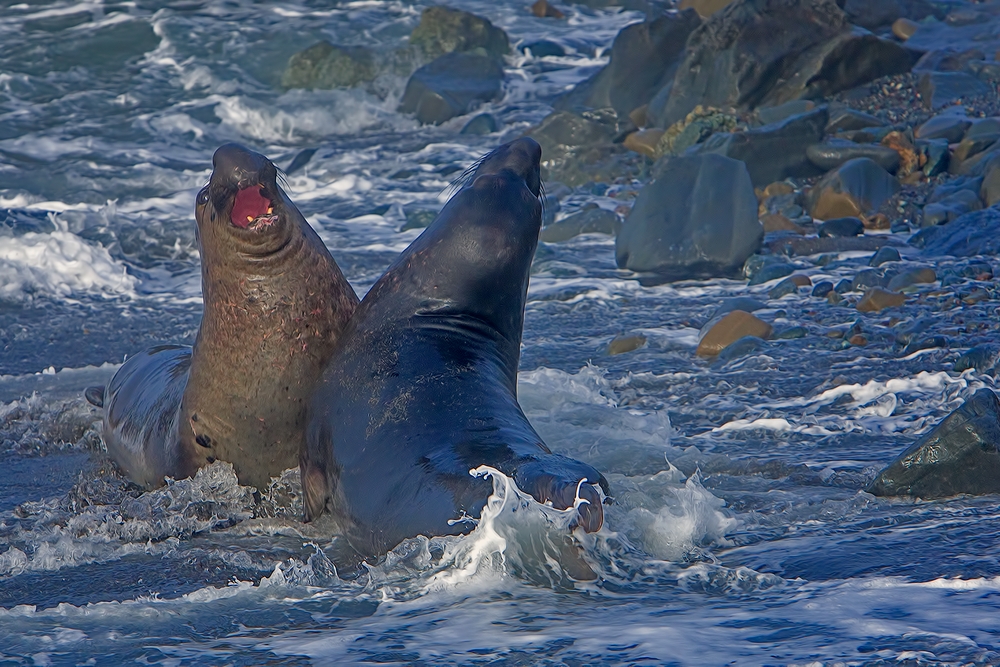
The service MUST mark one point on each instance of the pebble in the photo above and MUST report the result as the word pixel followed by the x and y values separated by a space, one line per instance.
pixel 769 272
pixel 912 277
pixel 822 288
pixel 841 227
pixel 776 222
pixel 729 329
pixel 925 344
pixel 542 9
pixel 791 333
pixel 741 348
pixel 904 28
pixel 786 286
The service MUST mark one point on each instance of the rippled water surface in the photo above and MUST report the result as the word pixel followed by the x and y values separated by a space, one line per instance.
pixel 740 533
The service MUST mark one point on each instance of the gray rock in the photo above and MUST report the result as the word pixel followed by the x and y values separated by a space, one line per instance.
pixel 866 279
pixel 949 125
pixel 450 86
pixel 769 115
pixel 591 221
pixel 940 89
pixel 834 152
pixel 696 218
pixel 773 152
pixel 822 288
pixel 644 58
pixel 771 271
pixel 326 66
pixel 783 288
pixel 873 14
pixel 810 50
pixel 741 348
pixel 842 227
pixel 445 30
pixel 858 186
pixel 884 254
pixel 950 208
pixel 938 156
pixel 945 190
pixel 983 127
pixel 981 357
pixel 484 123
pixel 975 233
pixel 542 48
pixel 958 456
pixel 572 145
pixel 846 119
pixel 931 343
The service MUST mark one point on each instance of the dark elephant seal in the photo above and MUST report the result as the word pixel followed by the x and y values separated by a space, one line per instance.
pixel 275 305
pixel 422 386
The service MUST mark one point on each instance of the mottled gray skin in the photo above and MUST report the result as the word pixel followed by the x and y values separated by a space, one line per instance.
pixel 960 455
pixel 422 386
pixel 275 306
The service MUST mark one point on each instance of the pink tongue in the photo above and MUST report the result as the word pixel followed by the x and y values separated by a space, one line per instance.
pixel 249 204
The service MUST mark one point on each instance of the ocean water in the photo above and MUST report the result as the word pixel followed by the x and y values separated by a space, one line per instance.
pixel 740 533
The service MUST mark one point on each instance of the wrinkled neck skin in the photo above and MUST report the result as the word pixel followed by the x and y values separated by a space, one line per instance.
pixel 468 271
pixel 275 304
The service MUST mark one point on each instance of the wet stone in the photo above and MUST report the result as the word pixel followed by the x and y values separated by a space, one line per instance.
pixel 884 254
pixel 975 233
pixel 623 344
pixel 949 126
pixel 771 271
pixel 846 119
pixel 904 28
pixel 834 152
pixel 543 48
pixel 590 221
pixel 791 333
pixel 327 66
pixel 931 343
pixel 786 286
pixel 542 9
pixel 937 156
pixel 844 286
pixel 729 329
pixel 877 299
pixel 857 187
pixel 696 218
pixel 801 280
pixel 867 278
pixel 776 222
pixel 741 348
pixel 445 30
pixel 822 288
pixel 912 277
pixel 981 357
pixel 450 86
pixel 950 208
pixel 939 89
pixel 644 141
pixel 958 456
pixel 841 227
pixel 484 123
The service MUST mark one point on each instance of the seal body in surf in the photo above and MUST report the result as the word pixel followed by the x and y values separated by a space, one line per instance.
pixel 422 387
pixel 275 305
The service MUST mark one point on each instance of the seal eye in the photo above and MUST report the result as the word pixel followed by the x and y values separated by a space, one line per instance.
pixel 203 196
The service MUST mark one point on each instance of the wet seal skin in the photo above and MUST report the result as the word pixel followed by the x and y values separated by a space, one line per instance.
pixel 422 387
pixel 275 305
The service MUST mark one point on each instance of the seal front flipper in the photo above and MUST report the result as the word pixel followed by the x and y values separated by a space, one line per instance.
pixel 560 480
pixel 95 396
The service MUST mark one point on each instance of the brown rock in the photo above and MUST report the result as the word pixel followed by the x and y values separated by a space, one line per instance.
pixel 800 280
pixel 705 8
pixel 729 329
pixel 910 159
pixel 833 298
pixel 623 344
pixel 778 188
pixel 644 141
pixel 775 222
pixel 639 116
pixel 877 221
pixel 876 299
pixel 542 9
pixel 905 28
pixel 858 340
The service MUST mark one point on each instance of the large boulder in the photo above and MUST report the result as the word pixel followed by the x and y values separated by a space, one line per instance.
pixel 644 58
pixel 451 86
pixel 577 149
pixel 959 456
pixel 325 65
pixel 696 218
pixel 445 30
pixel 773 152
pixel 765 52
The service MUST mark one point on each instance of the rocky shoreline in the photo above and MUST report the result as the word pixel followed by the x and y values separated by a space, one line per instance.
pixel 749 139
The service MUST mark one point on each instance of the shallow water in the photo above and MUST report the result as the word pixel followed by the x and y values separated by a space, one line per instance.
pixel 740 533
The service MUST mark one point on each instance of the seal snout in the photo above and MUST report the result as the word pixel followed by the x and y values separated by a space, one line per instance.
pixel 249 181
pixel 522 157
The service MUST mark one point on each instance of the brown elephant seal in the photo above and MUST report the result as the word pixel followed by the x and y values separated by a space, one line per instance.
pixel 275 306
pixel 422 387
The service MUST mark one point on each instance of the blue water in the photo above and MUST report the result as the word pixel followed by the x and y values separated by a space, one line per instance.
pixel 740 533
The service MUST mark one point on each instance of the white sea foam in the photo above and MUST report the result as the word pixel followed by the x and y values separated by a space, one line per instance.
pixel 59 264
